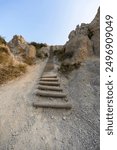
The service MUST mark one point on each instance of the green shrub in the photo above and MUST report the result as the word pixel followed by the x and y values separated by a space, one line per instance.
pixel 38 45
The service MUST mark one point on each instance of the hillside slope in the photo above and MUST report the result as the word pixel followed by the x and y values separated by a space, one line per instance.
pixel 24 127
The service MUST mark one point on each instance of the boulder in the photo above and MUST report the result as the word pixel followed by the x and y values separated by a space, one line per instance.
pixel 31 51
pixel 17 45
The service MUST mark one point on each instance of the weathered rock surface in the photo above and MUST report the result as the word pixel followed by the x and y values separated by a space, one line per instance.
pixel 10 67
pixel 31 51
pixel 21 48
pixel 94 29
pixel 43 52
pixel 17 45
pixel 79 48
pixel 83 42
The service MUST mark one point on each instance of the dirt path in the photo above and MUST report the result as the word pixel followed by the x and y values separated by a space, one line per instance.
pixel 22 127
pixel 16 112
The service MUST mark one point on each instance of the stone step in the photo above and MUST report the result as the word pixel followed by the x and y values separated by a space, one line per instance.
pixel 49 76
pixel 53 105
pixel 51 88
pixel 49 83
pixel 51 94
pixel 49 79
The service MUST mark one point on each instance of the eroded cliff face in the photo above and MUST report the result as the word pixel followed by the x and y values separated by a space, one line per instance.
pixel 94 29
pixel 83 42
pixel 20 48
pixel 10 67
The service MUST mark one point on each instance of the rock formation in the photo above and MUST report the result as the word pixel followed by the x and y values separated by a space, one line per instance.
pixel 18 45
pixel 31 52
pixel 83 42
pixel 94 31
pixel 10 67
pixel 22 49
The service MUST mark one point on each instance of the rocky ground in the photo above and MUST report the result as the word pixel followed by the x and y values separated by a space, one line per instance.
pixel 22 127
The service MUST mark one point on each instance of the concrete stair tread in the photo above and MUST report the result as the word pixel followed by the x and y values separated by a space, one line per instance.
pixel 51 88
pixel 49 83
pixel 49 76
pixel 51 94
pixel 53 105
pixel 49 79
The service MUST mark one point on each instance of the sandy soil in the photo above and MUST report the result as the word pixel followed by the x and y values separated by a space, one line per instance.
pixel 22 127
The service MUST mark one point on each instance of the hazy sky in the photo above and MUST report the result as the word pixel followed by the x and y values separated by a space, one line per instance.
pixel 48 21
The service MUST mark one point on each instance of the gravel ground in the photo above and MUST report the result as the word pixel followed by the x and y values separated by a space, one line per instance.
pixel 22 127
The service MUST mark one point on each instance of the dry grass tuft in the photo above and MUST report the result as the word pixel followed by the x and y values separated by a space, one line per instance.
pixel 30 61
pixel 10 72
pixel 4 58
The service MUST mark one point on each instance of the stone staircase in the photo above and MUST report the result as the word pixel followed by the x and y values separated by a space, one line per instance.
pixel 50 91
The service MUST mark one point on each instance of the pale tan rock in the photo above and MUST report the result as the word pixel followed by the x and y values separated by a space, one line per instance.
pixel 72 34
pixel 83 42
pixel 31 51
pixel 78 49
pixel 22 50
pixel 94 28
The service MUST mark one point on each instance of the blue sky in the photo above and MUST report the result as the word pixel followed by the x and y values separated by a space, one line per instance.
pixel 47 21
